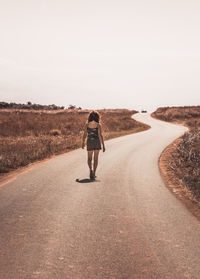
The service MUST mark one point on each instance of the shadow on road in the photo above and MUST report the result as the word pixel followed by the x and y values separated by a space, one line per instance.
pixel 86 180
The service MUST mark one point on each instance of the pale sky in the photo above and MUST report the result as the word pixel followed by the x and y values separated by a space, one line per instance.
pixel 136 54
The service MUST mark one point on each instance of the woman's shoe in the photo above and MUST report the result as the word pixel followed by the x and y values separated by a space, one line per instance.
pixel 91 174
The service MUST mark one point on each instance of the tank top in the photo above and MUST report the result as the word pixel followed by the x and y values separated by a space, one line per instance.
pixel 92 133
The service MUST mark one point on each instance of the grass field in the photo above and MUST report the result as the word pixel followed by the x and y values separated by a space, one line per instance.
pixel 27 136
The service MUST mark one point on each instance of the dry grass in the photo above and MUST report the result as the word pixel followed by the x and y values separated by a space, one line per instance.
pixel 184 161
pixel 28 136
pixel 188 115
pixel 22 123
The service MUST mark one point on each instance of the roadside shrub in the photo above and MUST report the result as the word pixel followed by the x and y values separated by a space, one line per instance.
pixel 186 161
pixel 55 132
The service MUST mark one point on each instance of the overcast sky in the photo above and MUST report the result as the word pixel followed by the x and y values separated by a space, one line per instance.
pixel 137 54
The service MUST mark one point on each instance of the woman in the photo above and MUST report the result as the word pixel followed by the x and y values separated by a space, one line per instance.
pixel 93 131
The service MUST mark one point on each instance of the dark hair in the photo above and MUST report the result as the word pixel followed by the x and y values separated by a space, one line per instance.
pixel 94 115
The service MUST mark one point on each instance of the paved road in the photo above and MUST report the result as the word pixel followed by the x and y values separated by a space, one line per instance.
pixel 126 225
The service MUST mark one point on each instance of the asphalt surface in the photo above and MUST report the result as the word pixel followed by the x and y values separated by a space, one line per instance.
pixel 56 223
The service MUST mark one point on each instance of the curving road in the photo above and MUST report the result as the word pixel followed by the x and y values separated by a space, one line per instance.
pixel 55 224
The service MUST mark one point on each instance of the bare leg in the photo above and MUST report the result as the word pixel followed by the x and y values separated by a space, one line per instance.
pixel 96 155
pixel 90 159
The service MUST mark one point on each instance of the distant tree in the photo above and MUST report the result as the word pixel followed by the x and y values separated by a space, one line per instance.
pixel 29 103
pixel 71 107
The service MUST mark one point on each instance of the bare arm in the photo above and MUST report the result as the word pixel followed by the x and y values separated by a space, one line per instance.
pixel 101 137
pixel 84 136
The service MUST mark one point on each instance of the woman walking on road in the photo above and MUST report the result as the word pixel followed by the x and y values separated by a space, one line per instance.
pixel 93 131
